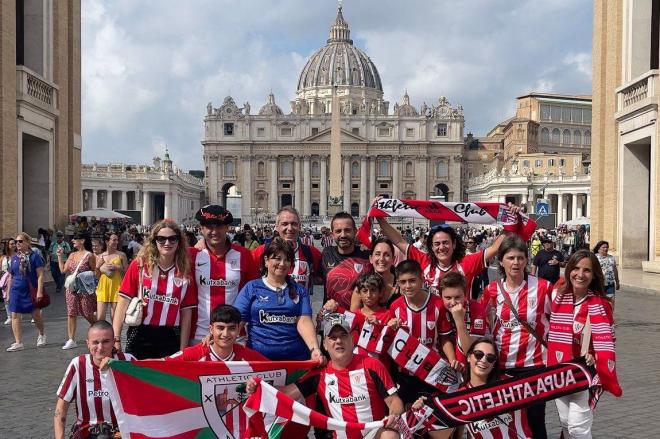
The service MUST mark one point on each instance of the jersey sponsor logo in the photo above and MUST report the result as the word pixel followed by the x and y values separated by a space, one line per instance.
pixel 204 281
pixel 266 318
pixel 478 324
pixel 220 397
pixel 489 424
pixel 89 380
pixel 299 277
pixel 162 298
pixel 511 324
pixel 351 399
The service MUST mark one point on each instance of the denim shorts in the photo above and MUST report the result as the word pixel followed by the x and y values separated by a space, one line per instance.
pixel 609 291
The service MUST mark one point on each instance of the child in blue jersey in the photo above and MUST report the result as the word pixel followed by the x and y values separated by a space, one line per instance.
pixel 277 310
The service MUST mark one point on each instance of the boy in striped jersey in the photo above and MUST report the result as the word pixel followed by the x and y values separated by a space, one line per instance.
pixel 84 382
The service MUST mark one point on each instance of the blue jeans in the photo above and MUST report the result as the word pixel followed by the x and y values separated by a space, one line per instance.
pixel 609 290
pixel 58 277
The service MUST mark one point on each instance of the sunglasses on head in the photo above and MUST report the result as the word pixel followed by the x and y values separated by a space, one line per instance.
pixel 172 239
pixel 440 228
pixel 491 358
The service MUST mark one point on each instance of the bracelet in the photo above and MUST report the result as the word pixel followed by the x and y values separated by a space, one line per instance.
pixel 117 339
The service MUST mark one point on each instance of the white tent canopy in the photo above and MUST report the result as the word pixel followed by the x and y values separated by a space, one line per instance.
pixel 582 220
pixel 100 214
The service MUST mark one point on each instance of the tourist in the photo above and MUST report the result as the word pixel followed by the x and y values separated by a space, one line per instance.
pixel 58 278
pixel 277 310
pixel 78 303
pixel 8 251
pixel 249 241
pixel 135 245
pixel 580 300
pixel 547 262
pixel 610 271
pixel 94 411
pixel 26 274
pixel 162 270
pixel 110 268
pixel 520 304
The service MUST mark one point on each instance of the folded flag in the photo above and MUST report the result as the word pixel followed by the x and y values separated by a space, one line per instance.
pixel 178 399
pixel 268 400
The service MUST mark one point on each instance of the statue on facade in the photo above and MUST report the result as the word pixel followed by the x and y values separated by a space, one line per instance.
pixel 423 110
pixel 514 168
pixel 396 109
pixel 374 108
pixel 363 107
pixel 304 108
pixel 246 108
pixel 575 167
pixel 209 109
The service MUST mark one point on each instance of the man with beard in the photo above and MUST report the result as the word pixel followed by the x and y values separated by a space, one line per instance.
pixel 342 264
pixel 220 267
pixel 307 261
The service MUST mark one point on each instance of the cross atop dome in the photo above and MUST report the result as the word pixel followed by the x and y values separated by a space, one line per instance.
pixel 339 31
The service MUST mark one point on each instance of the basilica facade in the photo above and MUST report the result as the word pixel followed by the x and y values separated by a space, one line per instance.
pixel 275 159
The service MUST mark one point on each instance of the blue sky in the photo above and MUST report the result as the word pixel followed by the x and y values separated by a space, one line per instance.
pixel 149 67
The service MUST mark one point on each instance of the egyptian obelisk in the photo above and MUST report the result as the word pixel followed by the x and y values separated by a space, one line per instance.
pixel 335 198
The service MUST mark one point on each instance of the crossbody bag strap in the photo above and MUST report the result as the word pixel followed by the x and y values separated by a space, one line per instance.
pixel 523 322
pixel 82 259
pixel 586 338
pixel 140 295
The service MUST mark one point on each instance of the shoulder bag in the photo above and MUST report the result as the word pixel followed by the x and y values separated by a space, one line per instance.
pixel 70 281
pixel 522 321
pixel 135 308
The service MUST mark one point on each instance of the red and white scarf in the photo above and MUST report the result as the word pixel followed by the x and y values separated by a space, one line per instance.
pixel 474 213
pixel 560 336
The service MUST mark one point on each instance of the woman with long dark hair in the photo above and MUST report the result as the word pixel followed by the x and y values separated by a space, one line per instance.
pixel 382 259
pixel 581 326
pixel 520 307
pixel 162 269
pixel 277 310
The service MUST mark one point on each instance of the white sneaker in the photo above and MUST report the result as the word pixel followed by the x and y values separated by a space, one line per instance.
pixel 8 321
pixel 41 340
pixel 70 344
pixel 32 321
pixel 15 347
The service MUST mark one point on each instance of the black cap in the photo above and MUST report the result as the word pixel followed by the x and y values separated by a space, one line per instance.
pixel 213 214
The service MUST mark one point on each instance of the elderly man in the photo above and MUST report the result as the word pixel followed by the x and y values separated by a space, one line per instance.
pixel 220 267
pixel 307 258
pixel 353 388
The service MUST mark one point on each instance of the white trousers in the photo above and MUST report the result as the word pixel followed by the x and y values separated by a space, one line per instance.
pixel 575 415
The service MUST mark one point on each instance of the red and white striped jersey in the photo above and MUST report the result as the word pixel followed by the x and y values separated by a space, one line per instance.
pixel 422 323
pixel 470 267
pixel 354 394
pixel 512 425
pixel 300 270
pixel 327 241
pixel 199 352
pixel 164 298
pixel 532 300
pixel 476 323
pixel 84 382
pixel 307 240
pixel 218 281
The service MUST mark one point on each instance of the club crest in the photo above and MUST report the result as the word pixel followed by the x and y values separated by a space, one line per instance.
pixel 610 365
pixel 178 282
pixel 578 327
pixel 532 302
pixel 559 355
pixel 430 325
pixel 233 263
pixel 221 398
pixel 358 267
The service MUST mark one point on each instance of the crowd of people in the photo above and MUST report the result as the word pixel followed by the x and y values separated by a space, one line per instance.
pixel 216 294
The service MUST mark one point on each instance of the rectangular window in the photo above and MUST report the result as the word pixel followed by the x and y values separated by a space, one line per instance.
pixel 586 116
pixel 383 132
pixel 545 112
pixel 410 132
pixel 261 132
pixel 286 131
pixel 526 163
pixel 576 115
pixel 566 114
pixel 355 131
pixel 556 114
pixel 354 186
pixel 315 130
pixel 551 162
pixel 442 130
pixel 562 162
pixel 315 185
pixel 229 129
pixel 384 186
pixel 538 163
pixel 286 185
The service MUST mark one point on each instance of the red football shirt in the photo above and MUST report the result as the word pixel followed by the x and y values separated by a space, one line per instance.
pixel 199 352
pixel 475 322
pixel 470 267
pixel 422 323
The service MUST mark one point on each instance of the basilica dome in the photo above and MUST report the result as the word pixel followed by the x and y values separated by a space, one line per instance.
pixel 339 62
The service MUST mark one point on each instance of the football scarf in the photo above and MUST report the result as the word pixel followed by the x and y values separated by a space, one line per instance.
pixel 560 336
pixel 474 213
pixel 501 397
pixel 163 399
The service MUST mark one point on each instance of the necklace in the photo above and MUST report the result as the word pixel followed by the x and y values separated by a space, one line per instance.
pixel 164 272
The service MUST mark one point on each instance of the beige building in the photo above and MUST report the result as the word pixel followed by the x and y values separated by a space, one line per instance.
pixel 626 153
pixel 275 159
pixel 152 192
pixel 542 152
pixel 40 139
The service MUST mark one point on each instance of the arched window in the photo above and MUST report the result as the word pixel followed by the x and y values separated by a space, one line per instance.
pixel 577 137
pixel 355 209
pixel 441 169
pixel 261 169
pixel 355 169
pixel 315 209
pixel 384 168
pixel 409 169
pixel 587 138
pixel 566 137
pixel 545 135
pixel 316 169
pixel 555 135
pixel 287 168
pixel 229 168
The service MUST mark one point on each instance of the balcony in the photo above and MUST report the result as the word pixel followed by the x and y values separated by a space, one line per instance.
pixel 33 89
pixel 639 96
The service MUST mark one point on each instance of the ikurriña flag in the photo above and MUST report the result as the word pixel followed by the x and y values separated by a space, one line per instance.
pixel 179 399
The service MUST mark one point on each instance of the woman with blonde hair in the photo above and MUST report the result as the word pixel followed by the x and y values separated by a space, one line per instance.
pixel 26 273
pixel 162 270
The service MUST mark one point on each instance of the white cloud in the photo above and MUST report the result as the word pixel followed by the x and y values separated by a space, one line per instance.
pixel 150 67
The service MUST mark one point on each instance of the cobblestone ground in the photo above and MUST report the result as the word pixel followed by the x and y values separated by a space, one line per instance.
pixel 30 378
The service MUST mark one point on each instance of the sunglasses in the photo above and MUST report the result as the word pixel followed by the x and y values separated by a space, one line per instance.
pixel 172 239
pixel 19 241
pixel 491 358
